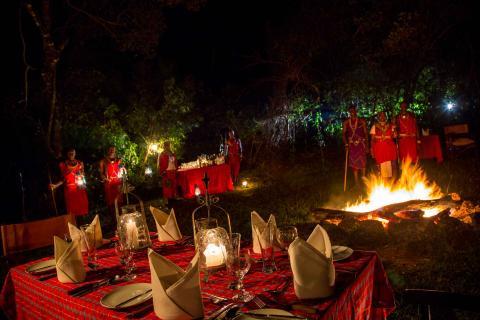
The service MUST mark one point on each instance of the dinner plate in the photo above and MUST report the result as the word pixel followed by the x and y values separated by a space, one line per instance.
pixel 341 252
pixel 271 312
pixel 115 297
pixel 41 267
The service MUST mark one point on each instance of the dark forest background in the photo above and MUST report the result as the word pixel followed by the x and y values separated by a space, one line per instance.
pixel 90 74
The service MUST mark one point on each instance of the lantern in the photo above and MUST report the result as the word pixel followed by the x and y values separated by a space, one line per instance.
pixel 212 241
pixel 132 225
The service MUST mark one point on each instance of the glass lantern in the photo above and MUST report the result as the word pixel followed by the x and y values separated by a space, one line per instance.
pixel 132 225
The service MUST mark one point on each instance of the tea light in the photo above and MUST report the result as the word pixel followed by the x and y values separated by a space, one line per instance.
pixel 197 191
pixel 215 255
pixel 244 183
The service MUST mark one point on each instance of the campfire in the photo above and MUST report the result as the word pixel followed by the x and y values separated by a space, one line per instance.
pixel 412 185
pixel 411 197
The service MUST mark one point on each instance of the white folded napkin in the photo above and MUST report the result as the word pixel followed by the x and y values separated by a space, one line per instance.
pixel 312 265
pixel 76 234
pixel 176 293
pixel 167 226
pixel 260 232
pixel 68 261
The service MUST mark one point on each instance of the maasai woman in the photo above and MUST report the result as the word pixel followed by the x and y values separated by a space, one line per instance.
pixel 234 155
pixel 384 149
pixel 112 172
pixel 167 169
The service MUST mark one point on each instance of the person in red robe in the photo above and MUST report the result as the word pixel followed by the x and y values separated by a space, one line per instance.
pixel 408 137
pixel 111 172
pixel 74 185
pixel 355 139
pixel 167 169
pixel 234 153
pixel 384 149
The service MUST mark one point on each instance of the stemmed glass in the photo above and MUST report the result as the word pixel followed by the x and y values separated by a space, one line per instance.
pixel 286 235
pixel 125 253
pixel 88 237
pixel 240 263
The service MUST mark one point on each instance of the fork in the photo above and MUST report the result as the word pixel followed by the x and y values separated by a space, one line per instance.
pixel 258 302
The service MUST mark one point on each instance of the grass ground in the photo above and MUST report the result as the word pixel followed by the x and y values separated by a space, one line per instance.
pixel 443 256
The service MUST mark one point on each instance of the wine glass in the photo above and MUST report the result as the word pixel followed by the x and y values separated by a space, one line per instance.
pixel 240 263
pixel 88 238
pixel 129 262
pixel 286 235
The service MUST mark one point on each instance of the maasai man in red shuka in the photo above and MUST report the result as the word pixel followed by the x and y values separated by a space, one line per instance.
pixel 74 186
pixel 111 172
pixel 167 169
pixel 384 149
pixel 355 138
pixel 234 155
pixel 407 134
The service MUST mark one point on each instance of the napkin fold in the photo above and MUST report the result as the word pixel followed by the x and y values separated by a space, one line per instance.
pixel 260 232
pixel 176 293
pixel 68 261
pixel 167 226
pixel 76 233
pixel 312 265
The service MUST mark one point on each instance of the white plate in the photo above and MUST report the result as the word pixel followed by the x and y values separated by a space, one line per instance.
pixel 341 252
pixel 41 267
pixel 264 311
pixel 120 294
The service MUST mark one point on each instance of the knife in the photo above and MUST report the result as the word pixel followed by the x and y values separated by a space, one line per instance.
pixel 216 314
pixel 271 316
pixel 132 298
pixel 83 290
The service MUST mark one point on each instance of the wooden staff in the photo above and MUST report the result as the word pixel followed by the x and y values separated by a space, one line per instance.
pixel 53 193
pixel 346 170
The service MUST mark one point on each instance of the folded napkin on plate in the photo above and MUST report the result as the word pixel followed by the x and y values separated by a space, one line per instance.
pixel 176 293
pixel 94 228
pixel 312 265
pixel 260 232
pixel 167 226
pixel 68 261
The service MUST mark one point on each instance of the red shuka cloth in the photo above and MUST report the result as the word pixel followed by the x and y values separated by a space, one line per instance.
pixel 113 184
pixel 169 177
pixel 357 145
pixel 234 149
pixel 407 142
pixel 76 199
pixel 384 148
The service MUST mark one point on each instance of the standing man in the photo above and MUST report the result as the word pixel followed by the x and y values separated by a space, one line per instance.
pixel 355 139
pixel 111 172
pixel 74 187
pixel 234 154
pixel 408 137
pixel 167 169
pixel 384 149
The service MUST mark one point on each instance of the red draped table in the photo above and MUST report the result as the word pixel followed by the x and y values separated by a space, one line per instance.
pixel 220 180
pixel 362 289
pixel 430 148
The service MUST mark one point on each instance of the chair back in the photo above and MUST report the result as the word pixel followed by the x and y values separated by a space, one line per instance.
pixel 456 129
pixel 34 234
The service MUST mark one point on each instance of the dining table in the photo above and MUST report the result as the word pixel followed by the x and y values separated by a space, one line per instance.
pixel 362 289
pixel 430 148
pixel 219 175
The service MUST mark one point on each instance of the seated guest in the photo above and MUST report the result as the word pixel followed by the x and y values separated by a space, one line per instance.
pixel 384 149
pixel 167 169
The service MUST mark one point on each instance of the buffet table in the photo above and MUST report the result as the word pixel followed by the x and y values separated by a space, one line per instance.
pixel 220 180
pixel 430 148
pixel 362 289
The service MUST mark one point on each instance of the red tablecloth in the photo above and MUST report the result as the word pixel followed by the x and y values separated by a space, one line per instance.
pixel 362 289
pixel 220 180
pixel 430 148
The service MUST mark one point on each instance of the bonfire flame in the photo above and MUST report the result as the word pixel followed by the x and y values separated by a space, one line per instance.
pixel 412 185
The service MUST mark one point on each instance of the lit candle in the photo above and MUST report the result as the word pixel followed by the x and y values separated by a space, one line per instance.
pixel 132 234
pixel 244 183
pixel 215 255
pixel 197 191
pixel 148 171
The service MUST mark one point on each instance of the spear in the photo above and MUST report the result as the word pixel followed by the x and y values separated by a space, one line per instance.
pixel 53 193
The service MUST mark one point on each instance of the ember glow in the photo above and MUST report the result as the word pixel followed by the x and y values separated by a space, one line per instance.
pixel 412 185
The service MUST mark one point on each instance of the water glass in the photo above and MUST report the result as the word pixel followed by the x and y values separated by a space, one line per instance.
pixel 286 235
pixel 239 265
pixel 266 242
pixel 88 238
